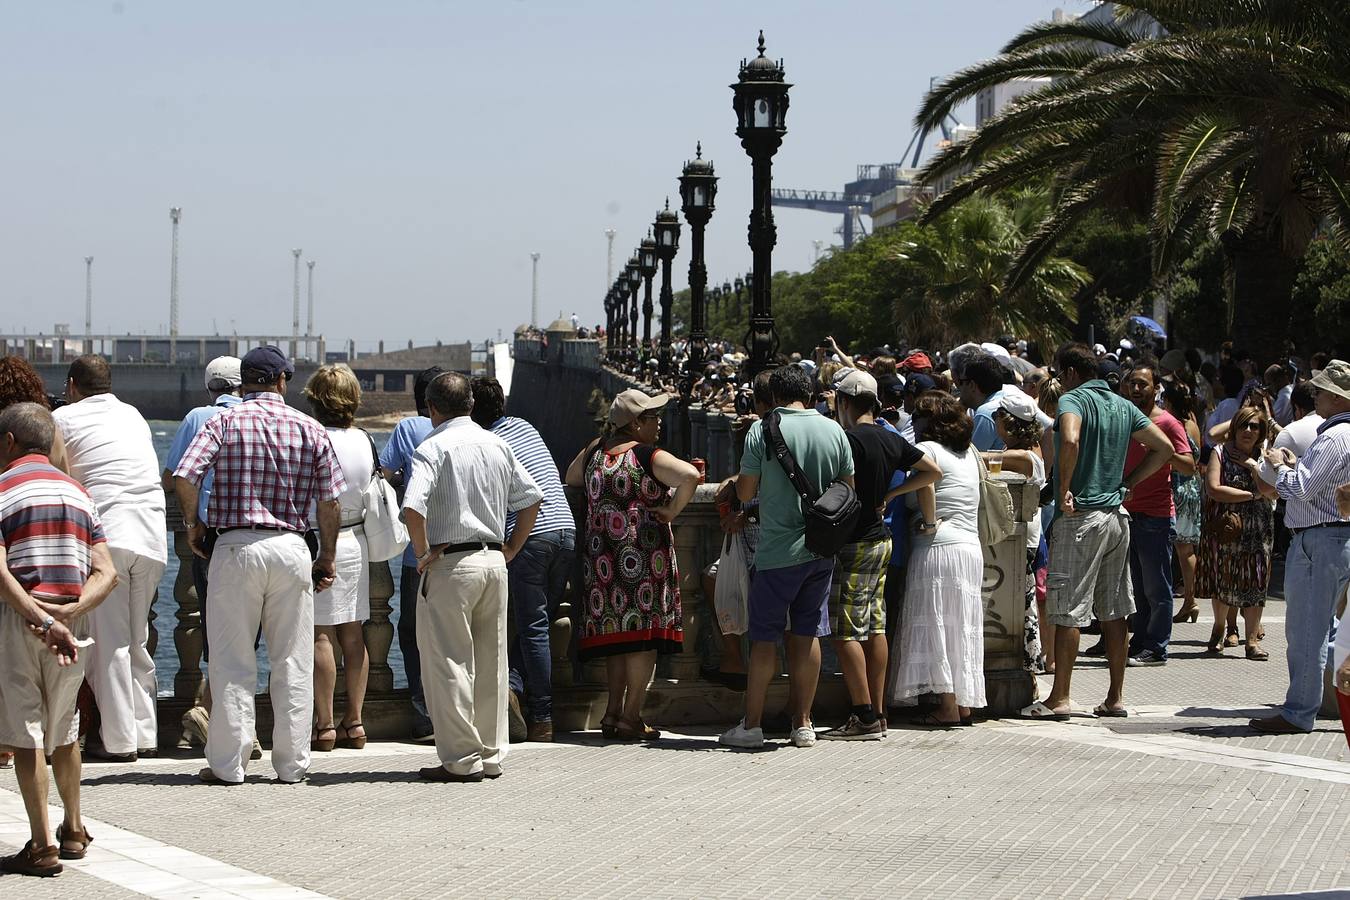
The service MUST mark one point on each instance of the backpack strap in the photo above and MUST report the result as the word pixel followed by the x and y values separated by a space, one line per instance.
pixel 773 428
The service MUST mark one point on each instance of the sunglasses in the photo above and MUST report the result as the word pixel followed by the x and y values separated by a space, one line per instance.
pixel 1251 426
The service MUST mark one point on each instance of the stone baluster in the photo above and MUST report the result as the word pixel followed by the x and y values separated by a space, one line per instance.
pixel 694 529
pixel 698 433
pixel 719 446
pixel 379 631
pixel 187 631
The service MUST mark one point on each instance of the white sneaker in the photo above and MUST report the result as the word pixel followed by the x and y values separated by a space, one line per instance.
pixel 742 737
pixel 805 736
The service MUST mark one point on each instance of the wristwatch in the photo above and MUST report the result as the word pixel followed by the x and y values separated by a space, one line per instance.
pixel 47 624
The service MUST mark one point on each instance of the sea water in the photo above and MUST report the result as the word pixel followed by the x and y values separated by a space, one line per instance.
pixel 166 607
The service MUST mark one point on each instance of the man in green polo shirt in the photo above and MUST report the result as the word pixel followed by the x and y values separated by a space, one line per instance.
pixel 1090 537
pixel 790 589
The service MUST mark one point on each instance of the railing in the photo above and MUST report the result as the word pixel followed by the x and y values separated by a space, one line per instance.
pixel 581 353
pixel 530 349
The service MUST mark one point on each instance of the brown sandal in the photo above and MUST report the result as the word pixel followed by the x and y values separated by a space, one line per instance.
pixel 354 741
pixel 627 730
pixel 321 744
pixel 82 843
pixel 42 862
pixel 1231 638
pixel 1256 652
pixel 607 725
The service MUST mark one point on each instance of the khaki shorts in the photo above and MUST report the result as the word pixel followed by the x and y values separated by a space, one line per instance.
pixel 37 697
pixel 1089 572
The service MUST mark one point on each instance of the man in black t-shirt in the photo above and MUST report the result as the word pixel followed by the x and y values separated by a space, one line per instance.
pixel 857 596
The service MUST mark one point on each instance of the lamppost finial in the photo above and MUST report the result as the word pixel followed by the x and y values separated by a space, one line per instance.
pixel 761 43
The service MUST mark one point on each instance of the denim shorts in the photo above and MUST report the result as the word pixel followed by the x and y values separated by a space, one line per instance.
pixel 795 598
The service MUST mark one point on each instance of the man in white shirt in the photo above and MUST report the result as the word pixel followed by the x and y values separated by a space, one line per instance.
pixel 1299 434
pixel 110 452
pixel 463 482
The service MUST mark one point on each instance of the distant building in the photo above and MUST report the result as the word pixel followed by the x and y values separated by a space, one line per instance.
pixel 387 378
pixel 991 101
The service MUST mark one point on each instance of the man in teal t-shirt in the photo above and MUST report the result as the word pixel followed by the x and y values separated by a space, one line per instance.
pixel 790 588
pixel 1088 573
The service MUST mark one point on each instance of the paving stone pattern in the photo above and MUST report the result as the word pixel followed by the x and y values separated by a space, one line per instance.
pixel 992 811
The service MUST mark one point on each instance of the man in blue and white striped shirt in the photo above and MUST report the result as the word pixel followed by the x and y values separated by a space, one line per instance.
pixel 1317 565
pixel 538 574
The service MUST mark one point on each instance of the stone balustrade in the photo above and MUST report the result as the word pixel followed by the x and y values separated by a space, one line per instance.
pixel 677 695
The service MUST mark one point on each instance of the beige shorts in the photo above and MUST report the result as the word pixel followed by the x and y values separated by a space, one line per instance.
pixel 37 696
pixel 1089 572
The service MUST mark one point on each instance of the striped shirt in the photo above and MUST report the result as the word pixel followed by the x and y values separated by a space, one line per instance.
pixel 271 462
pixel 463 482
pixel 1309 487
pixel 529 448
pixel 48 523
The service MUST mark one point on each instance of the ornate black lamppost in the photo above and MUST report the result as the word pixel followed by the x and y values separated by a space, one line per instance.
pixel 611 307
pixel 667 244
pixel 760 99
pixel 698 190
pixel 740 288
pixel 647 260
pixel 633 272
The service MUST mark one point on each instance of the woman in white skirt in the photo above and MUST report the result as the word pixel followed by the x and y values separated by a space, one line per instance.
pixel 942 632
pixel 341 611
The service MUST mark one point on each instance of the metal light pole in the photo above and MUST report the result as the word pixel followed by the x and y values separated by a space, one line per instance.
pixel 760 99
pixel 698 190
pixel 609 255
pixel 309 317
pixel 534 290
pixel 667 245
pixel 88 304
pixel 175 214
pixel 295 304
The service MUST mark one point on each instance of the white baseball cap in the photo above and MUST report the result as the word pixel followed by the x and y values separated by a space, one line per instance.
pixel 855 382
pixel 222 374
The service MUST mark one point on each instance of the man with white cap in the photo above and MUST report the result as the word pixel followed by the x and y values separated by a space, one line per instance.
pixel 110 452
pixel 271 463
pixel 222 383
pixel 858 590
pixel 1317 564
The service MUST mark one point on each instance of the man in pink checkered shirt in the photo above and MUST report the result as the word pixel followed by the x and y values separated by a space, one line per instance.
pixel 271 463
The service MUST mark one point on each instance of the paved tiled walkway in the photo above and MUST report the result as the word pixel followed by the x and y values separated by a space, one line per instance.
pixel 1178 801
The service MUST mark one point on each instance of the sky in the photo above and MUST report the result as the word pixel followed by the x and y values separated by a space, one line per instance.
pixel 420 151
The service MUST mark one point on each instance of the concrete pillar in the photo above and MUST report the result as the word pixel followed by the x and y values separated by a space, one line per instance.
pixel 201 352
pixel 1008 685
pixel 379 631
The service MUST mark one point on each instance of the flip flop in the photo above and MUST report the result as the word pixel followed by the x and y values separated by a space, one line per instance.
pixel 1040 712
pixel 1102 711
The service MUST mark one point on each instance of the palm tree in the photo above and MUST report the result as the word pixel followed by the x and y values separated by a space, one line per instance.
pixel 957 267
pixel 1233 122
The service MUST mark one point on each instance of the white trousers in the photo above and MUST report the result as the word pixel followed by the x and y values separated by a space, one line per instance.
pixel 461 636
pixel 119 667
pixel 260 578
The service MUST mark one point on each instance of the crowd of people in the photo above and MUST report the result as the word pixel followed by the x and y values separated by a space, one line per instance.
pixel 866 495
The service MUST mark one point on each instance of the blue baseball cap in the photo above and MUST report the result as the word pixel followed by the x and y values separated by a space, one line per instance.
pixel 264 365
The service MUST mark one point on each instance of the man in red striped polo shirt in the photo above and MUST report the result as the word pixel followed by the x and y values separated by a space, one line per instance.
pixel 54 568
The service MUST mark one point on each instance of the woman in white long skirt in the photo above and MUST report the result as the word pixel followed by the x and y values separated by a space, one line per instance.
pixel 340 612
pixel 942 630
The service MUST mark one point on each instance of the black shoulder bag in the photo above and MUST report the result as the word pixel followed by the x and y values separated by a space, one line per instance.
pixel 830 515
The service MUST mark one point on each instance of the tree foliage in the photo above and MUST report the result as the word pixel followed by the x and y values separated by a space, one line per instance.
pixel 1231 120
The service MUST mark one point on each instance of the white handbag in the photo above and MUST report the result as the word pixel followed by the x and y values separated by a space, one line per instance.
pixel 386 535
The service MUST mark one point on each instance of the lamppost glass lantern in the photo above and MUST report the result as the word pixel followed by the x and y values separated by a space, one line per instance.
pixel 667 231
pixel 647 254
pixel 634 272
pixel 760 98
pixel 698 184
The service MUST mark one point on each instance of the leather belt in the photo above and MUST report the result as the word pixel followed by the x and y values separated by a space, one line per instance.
pixel 254 528
pixel 1319 525
pixel 471 547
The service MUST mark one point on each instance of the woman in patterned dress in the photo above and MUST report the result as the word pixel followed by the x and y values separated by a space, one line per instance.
pixel 1179 400
pixel 632 595
pixel 1237 574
